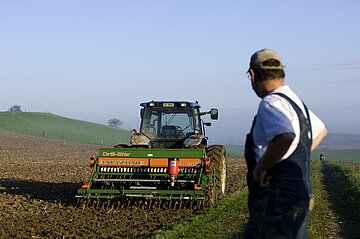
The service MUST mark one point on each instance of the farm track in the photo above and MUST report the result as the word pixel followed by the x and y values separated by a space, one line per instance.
pixel 39 178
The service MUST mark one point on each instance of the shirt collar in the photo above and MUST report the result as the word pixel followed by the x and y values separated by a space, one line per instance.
pixel 281 89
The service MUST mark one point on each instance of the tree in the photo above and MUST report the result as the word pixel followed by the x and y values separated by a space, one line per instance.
pixel 15 108
pixel 116 123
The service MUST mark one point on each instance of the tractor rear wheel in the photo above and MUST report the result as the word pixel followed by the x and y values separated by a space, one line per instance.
pixel 217 155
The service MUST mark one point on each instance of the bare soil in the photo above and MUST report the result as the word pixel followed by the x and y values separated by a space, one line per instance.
pixel 355 165
pixel 39 178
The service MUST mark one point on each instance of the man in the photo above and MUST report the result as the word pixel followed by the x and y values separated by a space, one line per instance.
pixel 277 153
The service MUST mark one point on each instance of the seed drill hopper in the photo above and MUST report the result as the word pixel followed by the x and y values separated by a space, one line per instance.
pixel 167 163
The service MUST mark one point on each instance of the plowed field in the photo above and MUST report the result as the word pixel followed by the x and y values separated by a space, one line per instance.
pixel 39 178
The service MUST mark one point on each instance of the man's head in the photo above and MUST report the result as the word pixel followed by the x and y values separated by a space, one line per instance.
pixel 266 71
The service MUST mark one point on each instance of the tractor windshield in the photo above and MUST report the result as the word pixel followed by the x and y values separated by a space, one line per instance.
pixel 168 123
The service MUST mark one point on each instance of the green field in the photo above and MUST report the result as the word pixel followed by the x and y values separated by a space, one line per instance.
pixel 338 155
pixel 57 127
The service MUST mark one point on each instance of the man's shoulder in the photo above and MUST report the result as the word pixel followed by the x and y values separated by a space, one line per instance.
pixel 276 104
pixel 273 99
pixel 277 100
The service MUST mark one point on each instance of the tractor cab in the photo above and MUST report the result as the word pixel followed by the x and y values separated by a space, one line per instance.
pixel 171 125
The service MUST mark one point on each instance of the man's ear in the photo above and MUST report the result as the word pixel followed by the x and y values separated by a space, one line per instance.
pixel 251 71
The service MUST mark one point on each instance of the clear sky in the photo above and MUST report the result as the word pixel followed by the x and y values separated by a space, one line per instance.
pixel 96 60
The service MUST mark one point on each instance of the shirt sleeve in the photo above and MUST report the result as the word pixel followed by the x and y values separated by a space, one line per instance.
pixel 316 124
pixel 273 121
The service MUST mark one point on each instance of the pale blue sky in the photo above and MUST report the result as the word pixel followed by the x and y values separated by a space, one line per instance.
pixel 95 60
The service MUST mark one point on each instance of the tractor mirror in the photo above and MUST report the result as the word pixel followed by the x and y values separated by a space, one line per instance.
pixel 214 114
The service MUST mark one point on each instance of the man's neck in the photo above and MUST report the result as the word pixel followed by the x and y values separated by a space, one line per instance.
pixel 271 85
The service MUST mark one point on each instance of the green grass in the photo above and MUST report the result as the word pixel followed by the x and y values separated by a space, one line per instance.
pixel 53 126
pixel 342 183
pixel 227 219
pixel 321 221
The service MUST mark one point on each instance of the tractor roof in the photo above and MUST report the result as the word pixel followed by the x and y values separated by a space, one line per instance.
pixel 170 104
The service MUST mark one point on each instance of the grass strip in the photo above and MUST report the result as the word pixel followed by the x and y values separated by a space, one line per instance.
pixel 226 219
pixel 321 222
pixel 343 185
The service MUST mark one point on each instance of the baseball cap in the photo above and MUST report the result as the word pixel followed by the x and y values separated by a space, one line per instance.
pixel 259 57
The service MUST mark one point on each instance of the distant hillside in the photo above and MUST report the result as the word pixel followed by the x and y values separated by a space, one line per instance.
pixel 235 150
pixel 337 147
pixel 340 141
pixel 54 126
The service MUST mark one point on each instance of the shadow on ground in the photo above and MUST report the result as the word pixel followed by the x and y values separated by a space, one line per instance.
pixel 54 192
pixel 344 200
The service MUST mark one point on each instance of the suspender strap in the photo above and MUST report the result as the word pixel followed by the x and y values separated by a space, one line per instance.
pixel 297 108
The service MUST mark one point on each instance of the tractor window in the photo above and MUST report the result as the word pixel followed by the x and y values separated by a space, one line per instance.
pixel 171 123
pixel 150 122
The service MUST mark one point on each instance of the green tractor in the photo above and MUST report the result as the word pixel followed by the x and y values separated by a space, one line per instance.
pixel 167 163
